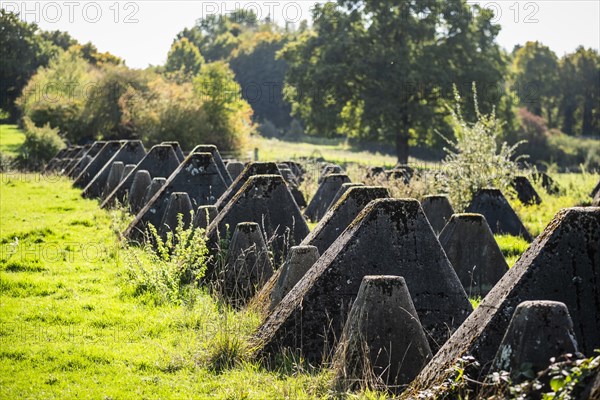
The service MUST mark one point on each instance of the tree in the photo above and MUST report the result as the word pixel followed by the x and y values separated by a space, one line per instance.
pixel 536 73
pixel 184 60
pixel 227 114
pixel 379 68
pixel 261 77
pixel 588 72
pixel 23 51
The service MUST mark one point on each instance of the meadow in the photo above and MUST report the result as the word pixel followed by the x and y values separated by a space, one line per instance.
pixel 73 324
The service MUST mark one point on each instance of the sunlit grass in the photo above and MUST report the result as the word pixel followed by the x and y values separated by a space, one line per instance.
pixel 11 138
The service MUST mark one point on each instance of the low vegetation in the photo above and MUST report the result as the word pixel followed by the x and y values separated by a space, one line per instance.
pixel 115 328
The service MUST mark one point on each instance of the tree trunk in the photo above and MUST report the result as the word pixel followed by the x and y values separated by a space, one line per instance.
pixel 402 147
pixel 402 137
pixel 568 120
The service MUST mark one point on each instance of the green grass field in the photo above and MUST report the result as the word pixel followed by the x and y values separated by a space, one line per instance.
pixel 332 150
pixel 72 325
pixel 11 138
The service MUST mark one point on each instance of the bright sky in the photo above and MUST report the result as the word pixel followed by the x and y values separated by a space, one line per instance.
pixel 141 32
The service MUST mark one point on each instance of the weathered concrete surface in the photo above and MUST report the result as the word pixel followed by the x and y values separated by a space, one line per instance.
pixel 401 172
pixel 247 266
pixel 343 189
pixel 266 200
pixel 131 153
pixel 198 176
pixel 204 216
pixel 141 181
pixel 596 200
pixel 383 345
pixel 525 191
pixel 86 158
pixel 98 162
pixel 179 203
pixel 326 191
pixel 342 214
pixel 299 261
pixel 292 182
pixel 155 186
pixel 563 264
pixel 538 331
pixel 498 213
pixel 473 252
pixel 161 160
pixel 389 237
pixel 114 176
pixel 253 168
pixel 212 149
pixel 235 168
pixel 329 169
pixel 177 149
pixel 438 211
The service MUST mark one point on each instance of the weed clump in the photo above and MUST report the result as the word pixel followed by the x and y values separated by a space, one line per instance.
pixel 169 270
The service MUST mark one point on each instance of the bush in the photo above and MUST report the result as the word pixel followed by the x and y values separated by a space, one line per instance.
pixel 475 160
pixel 41 144
pixel 169 271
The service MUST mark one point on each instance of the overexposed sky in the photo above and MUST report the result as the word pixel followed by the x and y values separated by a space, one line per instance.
pixel 141 32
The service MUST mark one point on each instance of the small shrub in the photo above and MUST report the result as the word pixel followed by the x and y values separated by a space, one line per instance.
pixel 169 272
pixel 474 159
pixel 41 144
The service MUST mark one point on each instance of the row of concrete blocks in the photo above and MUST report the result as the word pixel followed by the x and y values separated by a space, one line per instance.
pixel 383 239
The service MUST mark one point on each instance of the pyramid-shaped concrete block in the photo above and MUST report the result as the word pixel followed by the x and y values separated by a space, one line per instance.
pixel 131 152
pixel 155 186
pixel 252 169
pixel 114 176
pixel 389 237
pixel 204 216
pixel 438 211
pixel 198 176
pixel 212 149
pixel 342 214
pixel 105 154
pixel 296 168
pixel 473 252
pixel 498 213
pixel 537 332
pixel 161 160
pixel 546 182
pixel 266 200
pixel 86 158
pixel 383 345
pixel 75 159
pixel 563 264
pixel 247 266
pixel 326 191
pixel 234 168
pixel 178 206
pixel 299 261
pixel 345 187
pixel 526 193
pixel 596 200
pixel 328 170
pixel 177 149
pixel 140 184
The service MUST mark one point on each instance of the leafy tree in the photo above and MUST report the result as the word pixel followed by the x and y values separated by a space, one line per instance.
pixel 378 69
pixel 184 60
pixel 23 51
pixel 261 77
pixel 91 54
pixel 588 74
pixel 56 95
pixel 227 114
pixel 536 73
pixel 59 38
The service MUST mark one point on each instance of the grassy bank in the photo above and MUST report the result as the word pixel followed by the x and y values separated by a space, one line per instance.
pixel 11 139
pixel 72 328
